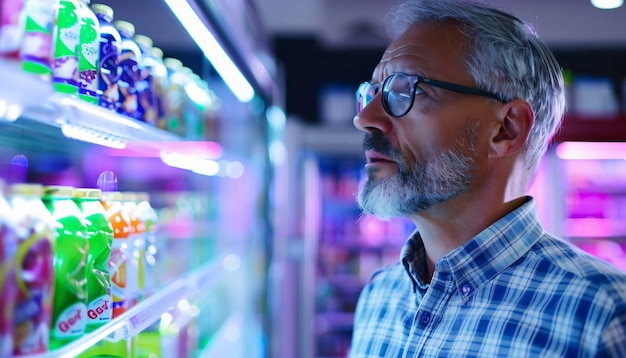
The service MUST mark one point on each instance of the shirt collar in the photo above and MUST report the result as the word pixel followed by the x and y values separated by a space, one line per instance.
pixel 483 257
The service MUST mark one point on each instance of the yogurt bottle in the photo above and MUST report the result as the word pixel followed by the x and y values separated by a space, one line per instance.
pixel 88 54
pixel 109 53
pixel 66 42
pixel 130 62
pixel 37 44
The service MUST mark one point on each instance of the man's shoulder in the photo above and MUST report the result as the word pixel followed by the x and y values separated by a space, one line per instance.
pixel 559 258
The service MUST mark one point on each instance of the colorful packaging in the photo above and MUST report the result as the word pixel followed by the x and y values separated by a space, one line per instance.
pixel 12 27
pixel 147 104
pixel 136 242
pixel 71 246
pixel 109 52
pixel 100 233
pixel 66 42
pixel 89 52
pixel 159 83
pixel 130 62
pixel 120 251
pixel 37 43
pixel 34 227
pixel 175 96
pixel 8 284
pixel 148 281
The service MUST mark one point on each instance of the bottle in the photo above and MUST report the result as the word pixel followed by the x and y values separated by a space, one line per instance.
pixel 34 228
pixel 159 83
pixel 65 47
pixel 175 96
pixel 120 250
pixel 100 233
pixel 150 257
pixel 37 44
pixel 109 52
pixel 147 109
pixel 130 61
pixel 8 284
pixel 136 243
pixel 89 52
pixel 12 18
pixel 71 247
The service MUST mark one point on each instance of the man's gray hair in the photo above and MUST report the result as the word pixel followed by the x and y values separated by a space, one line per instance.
pixel 504 56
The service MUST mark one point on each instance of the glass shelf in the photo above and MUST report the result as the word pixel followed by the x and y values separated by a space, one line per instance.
pixel 146 312
pixel 33 97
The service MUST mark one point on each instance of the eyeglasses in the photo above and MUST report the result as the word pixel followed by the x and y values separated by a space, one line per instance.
pixel 400 89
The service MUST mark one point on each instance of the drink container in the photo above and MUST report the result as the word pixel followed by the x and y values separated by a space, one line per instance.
pixel 36 48
pixel 88 54
pixel 150 257
pixel 12 26
pixel 109 53
pixel 66 42
pixel 71 245
pixel 159 83
pixel 100 233
pixel 136 242
pixel 8 284
pixel 147 103
pixel 119 267
pixel 34 270
pixel 130 62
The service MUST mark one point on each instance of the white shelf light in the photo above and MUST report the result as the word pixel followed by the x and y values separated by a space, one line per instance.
pixel 212 50
pixel 607 4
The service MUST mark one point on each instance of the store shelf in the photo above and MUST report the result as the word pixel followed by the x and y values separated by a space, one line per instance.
pixel 223 342
pixel 146 312
pixel 33 97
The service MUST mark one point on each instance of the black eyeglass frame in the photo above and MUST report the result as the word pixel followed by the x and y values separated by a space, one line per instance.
pixel 417 79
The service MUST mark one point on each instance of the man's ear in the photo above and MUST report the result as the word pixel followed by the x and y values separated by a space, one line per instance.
pixel 512 129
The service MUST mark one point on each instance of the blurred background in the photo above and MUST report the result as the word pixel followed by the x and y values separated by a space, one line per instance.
pixel 246 151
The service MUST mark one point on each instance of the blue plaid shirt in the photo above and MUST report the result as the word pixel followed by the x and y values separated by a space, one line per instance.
pixel 511 291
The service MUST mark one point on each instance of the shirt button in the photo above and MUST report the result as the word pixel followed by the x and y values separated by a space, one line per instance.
pixel 425 319
pixel 466 289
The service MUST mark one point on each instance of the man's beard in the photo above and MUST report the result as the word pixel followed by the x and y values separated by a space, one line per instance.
pixel 417 187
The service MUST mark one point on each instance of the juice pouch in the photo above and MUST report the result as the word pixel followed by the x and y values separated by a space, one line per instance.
pixel 34 271
pixel 71 245
pixel 100 232
pixel 120 250
pixel 8 284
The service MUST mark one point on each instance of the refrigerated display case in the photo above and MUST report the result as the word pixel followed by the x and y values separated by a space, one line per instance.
pixel 332 247
pixel 210 196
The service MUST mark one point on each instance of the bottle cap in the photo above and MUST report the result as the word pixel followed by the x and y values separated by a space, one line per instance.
pixel 172 63
pixel 91 193
pixel 102 9
pixel 144 42
pixel 58 191
pixel 26 189
pixel 125 27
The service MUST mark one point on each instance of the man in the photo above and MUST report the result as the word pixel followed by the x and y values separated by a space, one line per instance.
pixel 457 116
